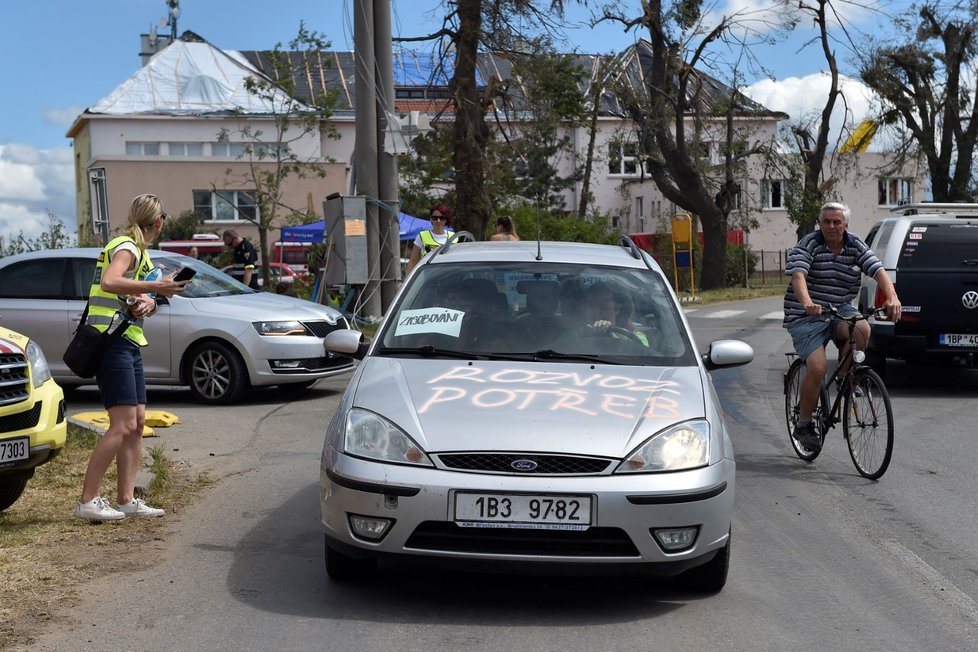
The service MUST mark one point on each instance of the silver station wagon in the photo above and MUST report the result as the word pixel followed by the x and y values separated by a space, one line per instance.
pixel 218 337
pixel 538 408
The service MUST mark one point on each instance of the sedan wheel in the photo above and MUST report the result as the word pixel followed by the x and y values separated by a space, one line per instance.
pixel 343 568
pixel 711 577
pixel 216 374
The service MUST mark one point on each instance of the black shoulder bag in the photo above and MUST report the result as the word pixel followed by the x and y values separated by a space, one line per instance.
pixel 84 353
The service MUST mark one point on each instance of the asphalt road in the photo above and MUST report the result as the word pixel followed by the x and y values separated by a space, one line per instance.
pixel 822 558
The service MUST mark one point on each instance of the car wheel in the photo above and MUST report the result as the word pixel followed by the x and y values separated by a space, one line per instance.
pixel 11 487
pixel 711 576
pixel 343 568
pixel 216 374
pixel 877 362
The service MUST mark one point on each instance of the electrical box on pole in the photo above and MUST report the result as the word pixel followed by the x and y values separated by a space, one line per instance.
pixel 346 239
pixel 682 250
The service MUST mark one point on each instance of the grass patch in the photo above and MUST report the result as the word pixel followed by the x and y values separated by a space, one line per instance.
pixel 738 294
pixel 47 552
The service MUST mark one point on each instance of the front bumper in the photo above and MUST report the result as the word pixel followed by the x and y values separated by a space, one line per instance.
pixel 43 420
pixel 625 509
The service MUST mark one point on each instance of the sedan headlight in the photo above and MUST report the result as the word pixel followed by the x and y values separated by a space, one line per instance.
pixel 279 328
pixel 374 437
pixel 39 364
pixel 683 446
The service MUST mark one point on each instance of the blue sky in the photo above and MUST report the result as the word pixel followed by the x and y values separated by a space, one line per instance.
pixel 62 56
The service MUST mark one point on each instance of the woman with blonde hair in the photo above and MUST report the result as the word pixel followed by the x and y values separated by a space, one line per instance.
pixel 120 274
pixel 505 230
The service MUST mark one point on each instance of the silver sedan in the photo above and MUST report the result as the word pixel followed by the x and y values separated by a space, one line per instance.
pixel 218 337
pixel 532 411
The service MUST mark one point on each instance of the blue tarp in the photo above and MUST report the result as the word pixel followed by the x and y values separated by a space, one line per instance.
pixel 410 227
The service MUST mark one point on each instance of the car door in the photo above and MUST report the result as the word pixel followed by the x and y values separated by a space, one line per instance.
pixel 33 302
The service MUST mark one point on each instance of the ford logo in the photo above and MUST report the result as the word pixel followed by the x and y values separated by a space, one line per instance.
pixel 523 465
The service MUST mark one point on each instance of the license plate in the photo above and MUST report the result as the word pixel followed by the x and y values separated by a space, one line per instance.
pixel 959 339
pixel 522 511
pixel 14 450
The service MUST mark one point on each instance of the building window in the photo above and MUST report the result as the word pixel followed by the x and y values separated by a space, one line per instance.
pixel 893 192
pixel 773 192
pixel 185 149
pixel 227 150
pixel 142 149
pixel 623 159
pixel 640 213
pixel 226 205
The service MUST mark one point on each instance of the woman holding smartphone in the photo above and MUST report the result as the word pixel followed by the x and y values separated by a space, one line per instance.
pixel 120 273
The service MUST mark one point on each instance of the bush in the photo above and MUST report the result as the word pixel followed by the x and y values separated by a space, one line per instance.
pixel 736 275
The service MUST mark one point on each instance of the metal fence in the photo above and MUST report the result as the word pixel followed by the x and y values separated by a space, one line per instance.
pixel 768 268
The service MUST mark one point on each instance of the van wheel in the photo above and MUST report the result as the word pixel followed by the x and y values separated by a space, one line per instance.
pixel 11 487
pixel 216 374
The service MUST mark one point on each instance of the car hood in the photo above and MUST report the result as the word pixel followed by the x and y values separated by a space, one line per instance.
pixel 262 305
pixel 448 405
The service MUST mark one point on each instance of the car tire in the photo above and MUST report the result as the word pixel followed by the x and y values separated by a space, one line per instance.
pixel 216 373
pixel 11 488
pixel 877 362
pixel 711 577
pixel 343 568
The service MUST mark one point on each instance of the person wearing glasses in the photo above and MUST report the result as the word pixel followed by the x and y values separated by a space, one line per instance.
pixel 430 239
pixel 120 272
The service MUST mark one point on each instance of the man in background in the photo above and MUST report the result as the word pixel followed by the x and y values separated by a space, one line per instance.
pixel 245 258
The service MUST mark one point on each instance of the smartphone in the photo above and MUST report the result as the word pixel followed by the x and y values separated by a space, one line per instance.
pixel 185 274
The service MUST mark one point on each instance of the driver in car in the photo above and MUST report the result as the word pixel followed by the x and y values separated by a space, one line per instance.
pixel 608 310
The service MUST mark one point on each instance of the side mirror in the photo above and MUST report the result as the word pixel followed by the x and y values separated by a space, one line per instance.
pixel 727 353
pixel 346 342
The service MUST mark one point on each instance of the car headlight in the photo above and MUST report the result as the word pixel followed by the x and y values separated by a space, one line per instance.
pixel 279 328
pixel 40 371
pixel 374 437
pixel 683 446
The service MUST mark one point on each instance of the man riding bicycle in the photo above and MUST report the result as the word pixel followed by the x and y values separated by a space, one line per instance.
pixel 825 269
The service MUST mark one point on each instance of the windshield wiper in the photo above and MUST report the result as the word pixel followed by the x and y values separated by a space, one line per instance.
pixel 428 351
pixel 550 354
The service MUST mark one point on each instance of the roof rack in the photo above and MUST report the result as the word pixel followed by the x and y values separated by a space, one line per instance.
pixel 927 207
pixel 627 243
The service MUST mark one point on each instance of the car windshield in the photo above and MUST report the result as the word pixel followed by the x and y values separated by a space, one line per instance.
pixel 209 282
pixel 558 312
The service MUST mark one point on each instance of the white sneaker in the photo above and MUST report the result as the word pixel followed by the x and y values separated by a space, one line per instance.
pixel 98 509
pixel 138 509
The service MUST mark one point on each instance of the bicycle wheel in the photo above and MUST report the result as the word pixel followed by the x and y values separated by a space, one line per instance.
pixel 792 394
pixel 868 423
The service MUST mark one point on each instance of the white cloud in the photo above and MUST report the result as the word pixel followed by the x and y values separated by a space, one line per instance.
pixel 34 182
pixel 803 98
pixel 62 117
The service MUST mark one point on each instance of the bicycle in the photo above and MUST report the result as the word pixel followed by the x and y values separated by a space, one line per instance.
pixel 861 403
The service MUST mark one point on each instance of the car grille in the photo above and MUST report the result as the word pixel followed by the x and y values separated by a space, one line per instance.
pixel 21 420
pixel 503 463
pixel 321 328
pixel 14 379
pixel 593 542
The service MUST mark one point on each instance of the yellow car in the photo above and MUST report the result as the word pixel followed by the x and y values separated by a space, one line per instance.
pixel 32 414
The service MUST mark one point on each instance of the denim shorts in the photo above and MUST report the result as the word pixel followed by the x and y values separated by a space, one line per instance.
pixel 120 376
pixel 810 333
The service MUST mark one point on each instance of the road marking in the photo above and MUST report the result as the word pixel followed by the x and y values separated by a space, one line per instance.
pixel 942 588
pixel 777 314
pixel 723 314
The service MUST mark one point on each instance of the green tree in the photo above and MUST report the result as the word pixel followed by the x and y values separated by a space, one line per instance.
pixel 928 86
pixel 54 236
pixel 269 153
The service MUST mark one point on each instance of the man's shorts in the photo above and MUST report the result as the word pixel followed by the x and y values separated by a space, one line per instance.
pixel 808 334
pixel 120 376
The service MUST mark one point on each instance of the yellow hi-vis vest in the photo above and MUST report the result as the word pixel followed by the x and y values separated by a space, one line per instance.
pixel 104 306
pixel 428 242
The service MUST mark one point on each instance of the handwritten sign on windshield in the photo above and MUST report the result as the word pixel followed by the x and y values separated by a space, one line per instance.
pixel 429 320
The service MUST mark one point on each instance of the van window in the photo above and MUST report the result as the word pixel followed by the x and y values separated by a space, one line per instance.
pixel 939 246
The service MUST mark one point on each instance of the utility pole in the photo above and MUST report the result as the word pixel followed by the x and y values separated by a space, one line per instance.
pixel 365 150
pixel 390 242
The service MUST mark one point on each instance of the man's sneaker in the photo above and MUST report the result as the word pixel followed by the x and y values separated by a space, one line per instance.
pixel 98 509
pixel 808 437
pixel 138 509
